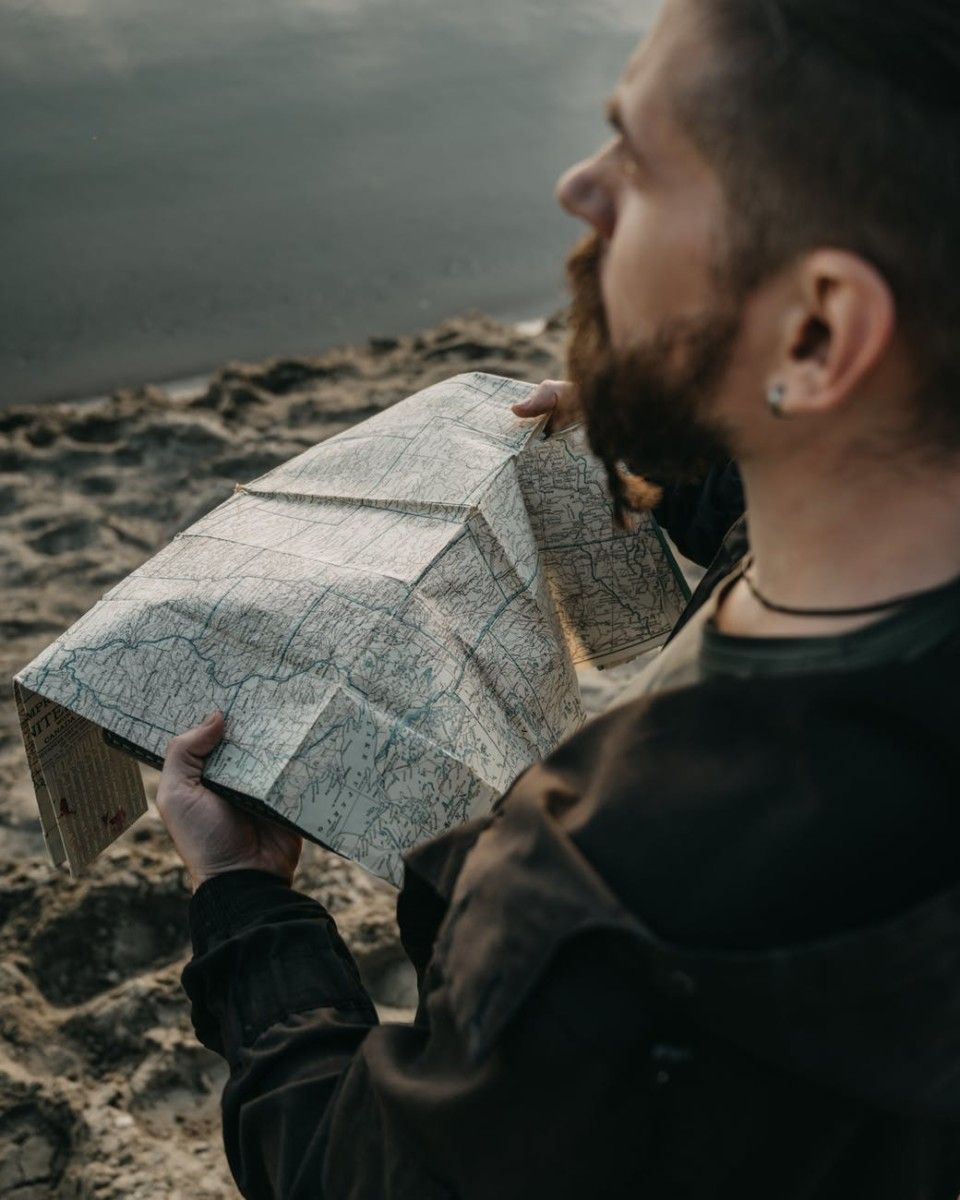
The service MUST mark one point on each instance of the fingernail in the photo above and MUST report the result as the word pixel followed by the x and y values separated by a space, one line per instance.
pixel 212 717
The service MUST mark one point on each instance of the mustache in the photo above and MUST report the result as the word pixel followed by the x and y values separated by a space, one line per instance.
pixel 588 338
pixel 583 268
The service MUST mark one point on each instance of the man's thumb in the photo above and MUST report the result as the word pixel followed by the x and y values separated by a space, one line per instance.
pixel 197 743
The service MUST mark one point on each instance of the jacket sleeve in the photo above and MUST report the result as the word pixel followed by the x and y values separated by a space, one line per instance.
pixel 322 1101
pixel 698 516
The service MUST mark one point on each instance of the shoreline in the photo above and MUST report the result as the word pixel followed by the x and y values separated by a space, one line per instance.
pixel 184 388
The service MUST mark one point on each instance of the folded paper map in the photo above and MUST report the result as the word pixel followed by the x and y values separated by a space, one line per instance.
pixel 390 623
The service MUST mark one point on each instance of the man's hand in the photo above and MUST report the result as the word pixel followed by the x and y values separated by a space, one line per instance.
pixel 554 396
pixel 210 834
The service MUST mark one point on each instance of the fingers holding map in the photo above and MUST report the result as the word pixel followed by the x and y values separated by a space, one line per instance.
pixel 389 621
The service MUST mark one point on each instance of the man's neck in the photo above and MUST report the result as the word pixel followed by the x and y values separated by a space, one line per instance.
pixel 842 537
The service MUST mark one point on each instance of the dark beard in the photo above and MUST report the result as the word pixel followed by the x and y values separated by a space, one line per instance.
pixel 646 409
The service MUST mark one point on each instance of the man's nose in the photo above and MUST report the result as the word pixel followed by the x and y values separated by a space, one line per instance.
pixel 581 192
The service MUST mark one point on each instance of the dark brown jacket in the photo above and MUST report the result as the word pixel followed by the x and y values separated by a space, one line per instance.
pixel 710 948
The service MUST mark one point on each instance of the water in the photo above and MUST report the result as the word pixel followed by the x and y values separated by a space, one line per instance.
pixel 186 183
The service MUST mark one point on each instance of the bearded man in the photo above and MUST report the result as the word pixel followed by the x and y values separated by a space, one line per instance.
pixel 709 948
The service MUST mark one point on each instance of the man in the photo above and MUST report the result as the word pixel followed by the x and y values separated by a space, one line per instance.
pixel 710 947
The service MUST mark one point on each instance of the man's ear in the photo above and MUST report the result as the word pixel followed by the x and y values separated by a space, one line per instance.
pixel 835 333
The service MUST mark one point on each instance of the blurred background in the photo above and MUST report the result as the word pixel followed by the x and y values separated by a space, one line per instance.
pixel 187 183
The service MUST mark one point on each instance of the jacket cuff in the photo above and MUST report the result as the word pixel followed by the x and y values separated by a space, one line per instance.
pixel 228 904
pixel 262 953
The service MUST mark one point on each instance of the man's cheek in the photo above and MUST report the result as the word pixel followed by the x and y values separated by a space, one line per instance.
pixel 634 289
pixel 617 303
pixel 629 314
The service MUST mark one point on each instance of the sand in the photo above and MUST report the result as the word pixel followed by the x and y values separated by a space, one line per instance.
pixel 104 1091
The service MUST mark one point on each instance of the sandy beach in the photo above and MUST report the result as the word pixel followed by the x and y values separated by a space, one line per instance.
pixel 104 1091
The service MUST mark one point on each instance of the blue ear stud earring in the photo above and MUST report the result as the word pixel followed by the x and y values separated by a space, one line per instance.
pixel 776 394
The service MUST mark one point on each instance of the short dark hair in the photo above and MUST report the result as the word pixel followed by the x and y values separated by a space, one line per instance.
pixel 837 122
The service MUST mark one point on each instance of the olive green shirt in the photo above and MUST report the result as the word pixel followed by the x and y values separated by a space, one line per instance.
pixel 700 651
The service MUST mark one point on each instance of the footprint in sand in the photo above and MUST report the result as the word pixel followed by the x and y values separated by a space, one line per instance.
pixel 98 484
pixel 35 1137
pixel 60 536
pixel 92 427
pixel 113 933
pixel 178 1086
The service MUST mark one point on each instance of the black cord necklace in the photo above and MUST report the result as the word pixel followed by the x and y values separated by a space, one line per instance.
pixel 862 611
